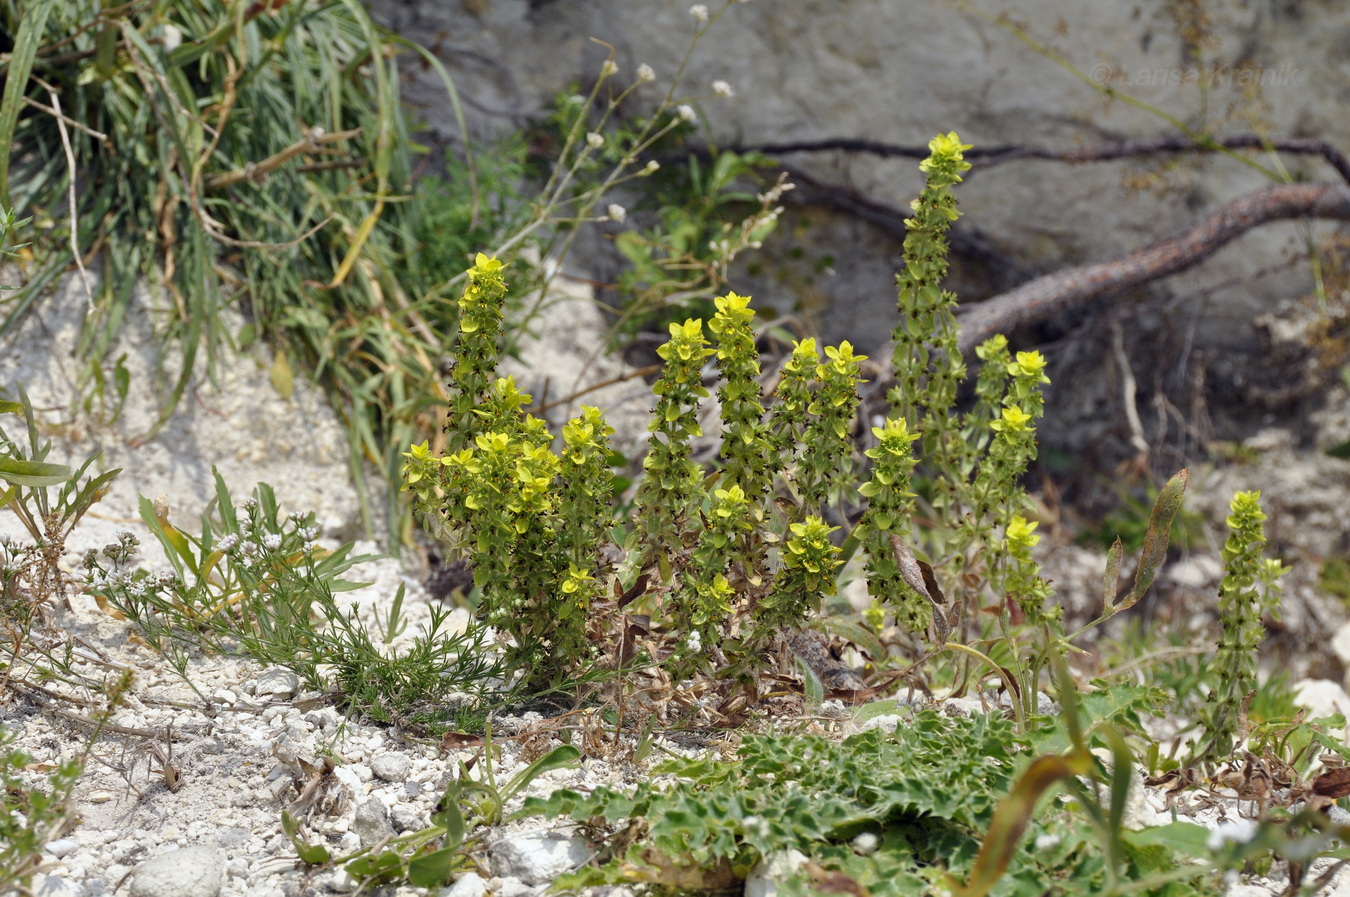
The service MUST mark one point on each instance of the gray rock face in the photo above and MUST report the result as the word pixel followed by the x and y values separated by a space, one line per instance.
pixel 187 872
pixel 900 72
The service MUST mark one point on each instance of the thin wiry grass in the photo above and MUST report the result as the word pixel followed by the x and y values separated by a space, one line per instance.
pixel 238 156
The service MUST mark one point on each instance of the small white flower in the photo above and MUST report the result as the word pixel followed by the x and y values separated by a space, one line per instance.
pixel 609 68
pixel 652 166
pixel 617 212
pixel 699 12
pixel 272 541
pixel 722 89
pixel 645 73
pixel 307 533
pixel 228 543
pixel 1045 841
pixel 865 843
pixel 594 140
pixel 685 112
pixel 695 641
pixel 1239 831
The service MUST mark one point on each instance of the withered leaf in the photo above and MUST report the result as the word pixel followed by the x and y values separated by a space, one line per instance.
pixel 452 740
pixel 1334 783
pixel 920 577
pixel 637 588
pixel 828 881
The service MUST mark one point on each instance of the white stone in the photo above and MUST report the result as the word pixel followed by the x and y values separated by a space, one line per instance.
pixel 538 858
pixel 278 683
pixel 55 886
pixel 1322 697
pixel 391 767
pixel 470 884
pixel 186 872
pixel 60 847
pixel 1196 572
pixel 1340 643
pixel 769 873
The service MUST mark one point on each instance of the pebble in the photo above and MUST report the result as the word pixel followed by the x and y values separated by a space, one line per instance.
pixel 470 884
pixel 60 847
pixel 186 872
pixel 391 767
pixel 55 886
pixel 371 823
pixel 407 819
pixel 537 858
pixel 769 873
pixel 277 683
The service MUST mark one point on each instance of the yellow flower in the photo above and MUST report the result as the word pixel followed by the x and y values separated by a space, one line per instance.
pixel 484 265
pixel 1014 420
pixel 1021 534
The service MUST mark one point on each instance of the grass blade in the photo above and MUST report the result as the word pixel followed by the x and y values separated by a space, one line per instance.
pixel 31 26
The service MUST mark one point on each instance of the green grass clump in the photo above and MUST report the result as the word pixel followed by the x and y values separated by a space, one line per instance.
pixel 257 157
pixel 255 582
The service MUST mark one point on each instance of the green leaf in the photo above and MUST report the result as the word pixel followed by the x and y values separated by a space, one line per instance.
pixel 1185 837
pixel 375 867
pixel 858 634
pixel 93 491
pixel 559 758
pixel 449 816
pixel 33 473
pixel 434 869
pixel 283 378
pixel 313 854
pixel 31 25
pixel 811 684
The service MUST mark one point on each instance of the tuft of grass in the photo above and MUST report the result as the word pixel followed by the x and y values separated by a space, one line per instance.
pixel 256 583
pixel 256 157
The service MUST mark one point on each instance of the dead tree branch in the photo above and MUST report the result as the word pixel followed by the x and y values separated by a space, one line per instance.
pixel 987 157
pixel 1051 295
